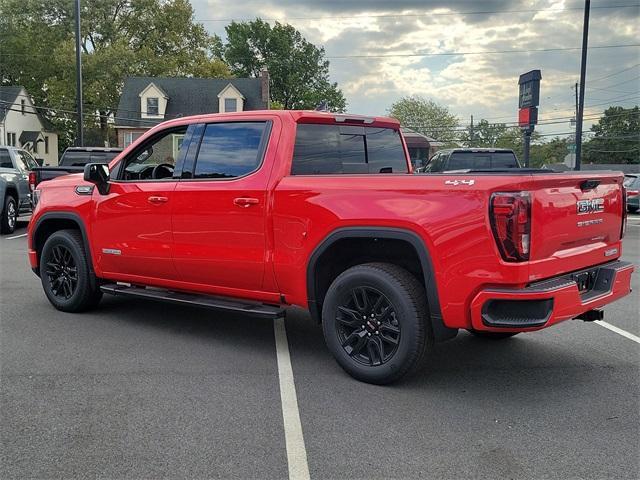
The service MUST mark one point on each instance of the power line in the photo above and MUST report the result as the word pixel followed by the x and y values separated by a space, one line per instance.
pixel 486 52
pixel 73 112
pixel 626 81
pixel 415 15
pixel 435 54
pixel 615 73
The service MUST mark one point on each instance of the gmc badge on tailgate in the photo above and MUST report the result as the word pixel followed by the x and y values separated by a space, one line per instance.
pixel 593 205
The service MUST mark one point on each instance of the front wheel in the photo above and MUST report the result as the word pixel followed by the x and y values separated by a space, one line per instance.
pixel 65 274
pixel 375 322
pixel 9 215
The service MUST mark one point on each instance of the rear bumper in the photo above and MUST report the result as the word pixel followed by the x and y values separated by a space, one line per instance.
pixel 551 301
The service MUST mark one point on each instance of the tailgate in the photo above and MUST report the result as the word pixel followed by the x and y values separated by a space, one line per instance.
pixel 576 221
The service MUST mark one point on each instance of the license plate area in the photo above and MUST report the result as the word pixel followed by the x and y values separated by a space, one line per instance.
pixel 585 281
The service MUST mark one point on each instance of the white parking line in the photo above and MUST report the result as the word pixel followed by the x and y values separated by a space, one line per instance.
pixel 17 236
pixel 294 440
pixel 619 331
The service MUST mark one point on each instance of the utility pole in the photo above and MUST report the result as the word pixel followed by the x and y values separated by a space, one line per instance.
pixel 471 133
pixel 583 75
pixel 527 146
pixel 576 100
pixel 80 139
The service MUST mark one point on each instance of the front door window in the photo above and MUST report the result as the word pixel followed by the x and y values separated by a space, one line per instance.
pixel 156 158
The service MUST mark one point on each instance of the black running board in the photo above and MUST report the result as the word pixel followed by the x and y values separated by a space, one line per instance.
pixel 246 307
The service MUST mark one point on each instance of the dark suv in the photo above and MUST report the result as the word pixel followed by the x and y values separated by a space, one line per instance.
pixel 471 159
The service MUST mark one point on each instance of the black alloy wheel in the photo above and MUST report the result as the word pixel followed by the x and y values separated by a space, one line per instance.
pixel 65 272
pixel 375 320
pixel 367 326
pixel 62 272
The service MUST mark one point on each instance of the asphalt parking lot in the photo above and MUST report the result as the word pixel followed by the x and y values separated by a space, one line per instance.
pixel 144 390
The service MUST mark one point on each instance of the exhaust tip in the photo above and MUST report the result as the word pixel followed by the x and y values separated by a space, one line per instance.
pixel 591 315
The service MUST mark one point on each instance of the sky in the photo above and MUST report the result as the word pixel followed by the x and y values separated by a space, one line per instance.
pixel 383 50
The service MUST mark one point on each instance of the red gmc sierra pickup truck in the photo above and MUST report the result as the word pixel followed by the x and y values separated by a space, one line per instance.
pixel 254 211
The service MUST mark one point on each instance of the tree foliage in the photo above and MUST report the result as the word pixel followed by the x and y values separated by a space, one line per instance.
pixel 299 72
pixel 119 38
pixel 426 117
pixel 616 137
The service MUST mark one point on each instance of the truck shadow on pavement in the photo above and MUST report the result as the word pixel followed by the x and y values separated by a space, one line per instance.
pixel 466 363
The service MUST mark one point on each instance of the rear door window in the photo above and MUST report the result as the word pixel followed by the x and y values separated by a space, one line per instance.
pixel 25 161
pixel 343 149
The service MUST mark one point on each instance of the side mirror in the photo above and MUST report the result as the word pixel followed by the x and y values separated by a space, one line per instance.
pixel 98 174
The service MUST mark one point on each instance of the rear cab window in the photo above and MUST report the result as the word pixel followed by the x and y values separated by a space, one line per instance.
pixel 327 149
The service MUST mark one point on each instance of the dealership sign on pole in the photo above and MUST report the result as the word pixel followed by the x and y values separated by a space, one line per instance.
pixel 528 101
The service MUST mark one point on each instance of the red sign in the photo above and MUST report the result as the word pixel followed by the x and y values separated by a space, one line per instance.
pixel 528 116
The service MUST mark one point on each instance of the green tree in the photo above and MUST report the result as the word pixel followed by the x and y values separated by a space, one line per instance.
pixel 426 117
pixel 298 70
pixel 119 38
pixel 550 152
pixel 616 137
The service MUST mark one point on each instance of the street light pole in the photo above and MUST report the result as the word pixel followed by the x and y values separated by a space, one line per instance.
pixel 583 75
pixel 80 139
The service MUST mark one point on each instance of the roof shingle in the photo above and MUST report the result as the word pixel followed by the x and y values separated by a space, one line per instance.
pixel 187 96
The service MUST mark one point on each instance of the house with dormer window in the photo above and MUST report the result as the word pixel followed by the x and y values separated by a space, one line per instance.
pixel 147 101
pixel 23 125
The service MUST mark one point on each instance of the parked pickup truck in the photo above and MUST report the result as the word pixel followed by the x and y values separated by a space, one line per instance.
pixel 454 159
pixel 254 211
pixel 15 197
pixel 73 160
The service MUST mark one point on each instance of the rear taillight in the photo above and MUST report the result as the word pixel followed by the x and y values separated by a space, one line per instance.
pixel 510 214
pixel 623 229
pixel 32 181
pixel 632 193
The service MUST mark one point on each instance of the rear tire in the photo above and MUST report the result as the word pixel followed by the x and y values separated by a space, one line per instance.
pixel 492 335
pixel 375 322
pixel 65 274
pixel 9 215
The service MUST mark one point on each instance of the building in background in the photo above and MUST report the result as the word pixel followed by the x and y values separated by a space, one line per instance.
pixel 147 101
pixel 21 125
pixel 420 147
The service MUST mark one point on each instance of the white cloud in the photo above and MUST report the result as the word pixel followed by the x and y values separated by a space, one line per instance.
pixel 484 85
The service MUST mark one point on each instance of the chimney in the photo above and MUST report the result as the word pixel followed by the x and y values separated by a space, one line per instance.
pixel 264 86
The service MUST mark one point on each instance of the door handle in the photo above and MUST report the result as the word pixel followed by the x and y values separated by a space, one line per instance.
pixel 156 200
pixel 245 202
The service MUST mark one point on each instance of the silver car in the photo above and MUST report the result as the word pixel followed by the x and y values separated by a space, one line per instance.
pixel 15 165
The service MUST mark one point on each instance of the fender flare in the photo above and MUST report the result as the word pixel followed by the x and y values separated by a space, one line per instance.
pixel 74 217
pixel 440 331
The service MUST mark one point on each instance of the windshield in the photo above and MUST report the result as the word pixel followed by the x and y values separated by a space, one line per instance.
pixel 24 161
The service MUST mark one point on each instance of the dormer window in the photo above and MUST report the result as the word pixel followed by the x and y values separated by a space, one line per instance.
pixel 230 104
pixel 230 99
pixel 153 102
pixel 152 106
